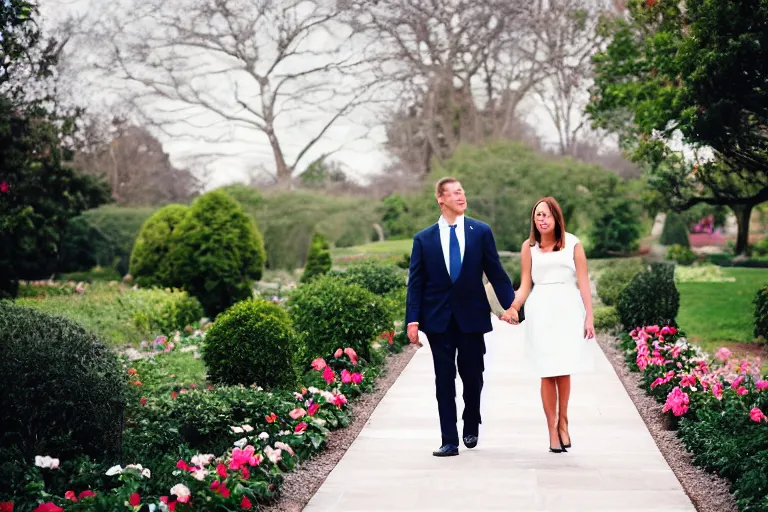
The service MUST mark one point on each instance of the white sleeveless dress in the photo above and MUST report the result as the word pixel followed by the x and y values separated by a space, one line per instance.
pixel 555 314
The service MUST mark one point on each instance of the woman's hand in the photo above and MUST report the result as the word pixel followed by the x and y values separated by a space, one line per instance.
pixel 589 328
pixel 511 316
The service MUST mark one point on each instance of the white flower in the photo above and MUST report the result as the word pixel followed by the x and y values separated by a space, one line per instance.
pixel 284 446
pixel 114 470
pixel 284 433
pixel 247 428
pixel 182 492
pixel 241 442
pixel 199 474
pixel 313 390
pixel 273 454
pixel 237 430
pixel 263 436
pixel 146 473
pixel 202 460
pixel 46 462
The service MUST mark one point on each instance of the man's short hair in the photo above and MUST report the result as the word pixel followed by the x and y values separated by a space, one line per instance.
pixel 442 182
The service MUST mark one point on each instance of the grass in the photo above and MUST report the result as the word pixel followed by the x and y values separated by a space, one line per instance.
pixel 171 372
pixel 716 314
pixel 385 248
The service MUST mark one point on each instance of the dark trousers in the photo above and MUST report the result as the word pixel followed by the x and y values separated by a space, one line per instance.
pixel 471 349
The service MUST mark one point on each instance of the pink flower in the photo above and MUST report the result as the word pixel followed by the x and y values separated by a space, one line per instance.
pixel 245 503
pixel 143 401
pixel 339 400
pixel 357 378
pixel 87 494
pixel 182 493
pixel 687 381
pixel 274 455
pixel 737 382
pixel 717 390
pixel 761 384
pixel 346 377
pixel 756 415
pixel 301 427
pixel 182 465
pixel 319 363
pixel 244 471
pixel 244 456
pixel 70 495
pixel 221 470
pixel 338 353
pixel 652 329
pixel 329 375
pixel 351 354
pixel 742 391
pixel 668 330
pixel 723 354
pixel 48 507
pixel 4 187
pixel 312 409
pixel 297 413
pixel 285 447
pixel 134 500
pixel 677 402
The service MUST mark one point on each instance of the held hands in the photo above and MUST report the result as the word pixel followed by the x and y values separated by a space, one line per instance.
pixel 589 328
pixel 510 316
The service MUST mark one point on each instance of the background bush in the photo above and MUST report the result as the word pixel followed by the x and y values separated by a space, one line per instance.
pixel 376 276
pixel 615 278
pixel 217 252
pixel 102 237
pixel 64 391
pixel 682 255
pixel 161 311
pixel 675 231
pixel 149 258
pixel 761 313
pixel 330 314
pixel 651 298
pixel 318 260
pixel 616 230
pixel 252 343
pixel 606 319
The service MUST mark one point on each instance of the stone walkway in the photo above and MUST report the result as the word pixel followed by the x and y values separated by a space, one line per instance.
pixel 614 464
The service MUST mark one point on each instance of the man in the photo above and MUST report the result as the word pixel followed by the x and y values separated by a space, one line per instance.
pixel 447 301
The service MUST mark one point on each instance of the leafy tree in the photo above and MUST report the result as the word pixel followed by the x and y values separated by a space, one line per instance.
pixel 318 260
pixel 616 230
pixel 694 69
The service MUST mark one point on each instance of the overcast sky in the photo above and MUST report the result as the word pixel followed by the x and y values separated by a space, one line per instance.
pixel 361 158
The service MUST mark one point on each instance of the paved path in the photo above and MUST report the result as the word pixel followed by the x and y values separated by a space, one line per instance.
pixel 614 464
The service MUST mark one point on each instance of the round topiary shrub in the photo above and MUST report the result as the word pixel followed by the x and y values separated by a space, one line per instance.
pixel 331 314
pixel 375 276
pixel 682 255
pixel 217 252
pixel 615 278
pixel 149 259
pixel 252 343
pixel 675 231
pixel 651 298
pixel 64 391
pixel 761 313
pixel 318 259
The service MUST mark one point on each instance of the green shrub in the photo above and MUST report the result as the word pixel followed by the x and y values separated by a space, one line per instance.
pixel 606 319
pixel 761 313
pixel 651 298
pixel 675 231
pixel 102 237
pixel 376 276
pixel 615 278
pixel 616 230
pixel 512 267
pixel 682 255
pixel 161 311
pixel 149 259
pixel 64 391
pixel 95 274
pixel 216 252
pixel 318 260
pixel 702 274
pixel 252 343
pixel 330 314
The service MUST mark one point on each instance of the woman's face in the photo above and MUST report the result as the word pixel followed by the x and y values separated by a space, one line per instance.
pixel 543 218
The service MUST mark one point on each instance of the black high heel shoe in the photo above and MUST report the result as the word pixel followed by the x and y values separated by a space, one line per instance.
pixel 560 437
pixel 558 450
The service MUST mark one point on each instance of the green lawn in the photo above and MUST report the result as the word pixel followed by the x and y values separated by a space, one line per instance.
pixel 712 313
pixel 387 247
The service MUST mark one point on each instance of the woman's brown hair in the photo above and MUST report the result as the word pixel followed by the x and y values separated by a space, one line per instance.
pixel 557 214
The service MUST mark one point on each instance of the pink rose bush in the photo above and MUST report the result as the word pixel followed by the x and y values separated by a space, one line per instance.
pixel 343 370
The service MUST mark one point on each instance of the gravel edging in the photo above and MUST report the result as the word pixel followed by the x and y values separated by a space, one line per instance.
pixel 303 482
pixel 707 491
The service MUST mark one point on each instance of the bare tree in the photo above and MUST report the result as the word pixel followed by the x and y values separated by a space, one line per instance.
pixel 279 73
pixel 568 35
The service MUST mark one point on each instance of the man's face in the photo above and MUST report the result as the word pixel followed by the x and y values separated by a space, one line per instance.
pixel 453 198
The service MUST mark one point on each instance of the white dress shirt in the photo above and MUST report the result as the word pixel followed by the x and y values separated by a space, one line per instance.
pixel 445 239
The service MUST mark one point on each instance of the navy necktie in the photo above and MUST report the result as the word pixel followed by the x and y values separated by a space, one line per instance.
pixel 454 254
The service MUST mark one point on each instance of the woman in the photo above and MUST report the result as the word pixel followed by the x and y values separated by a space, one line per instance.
pixel 558 313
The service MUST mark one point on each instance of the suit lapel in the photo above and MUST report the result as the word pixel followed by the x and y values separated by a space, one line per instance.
pixel 439 243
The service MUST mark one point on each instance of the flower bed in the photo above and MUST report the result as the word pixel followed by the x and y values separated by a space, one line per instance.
pixel 717 405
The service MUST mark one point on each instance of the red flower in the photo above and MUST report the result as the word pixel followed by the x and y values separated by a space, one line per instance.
pixel 5 188
pixel 143 401
pixel 70 495
pixel 6 506
pixel 182 465
pixel 246 474
pixel 301 427
pixel 87 494
pixel 134 500
pixel 48 507
pixel 271 418
pixel 131 371
pixel 312 409
pixel 246 503
pixel 221 469
pixel 174 395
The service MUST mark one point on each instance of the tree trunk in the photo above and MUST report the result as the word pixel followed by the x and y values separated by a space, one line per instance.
pixel 743 214
pixel 283 173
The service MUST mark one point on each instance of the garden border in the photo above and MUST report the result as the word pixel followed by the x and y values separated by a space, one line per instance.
pixel 708 492
pixel 301 484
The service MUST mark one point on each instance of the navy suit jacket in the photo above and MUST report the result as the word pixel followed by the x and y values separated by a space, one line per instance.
pixel 433 297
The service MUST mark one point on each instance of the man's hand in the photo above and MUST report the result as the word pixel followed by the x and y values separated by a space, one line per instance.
pixel 511 316
pixel 413 333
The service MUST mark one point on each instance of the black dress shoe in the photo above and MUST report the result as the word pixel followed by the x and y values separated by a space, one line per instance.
pixel 447 450
pixel 470 441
